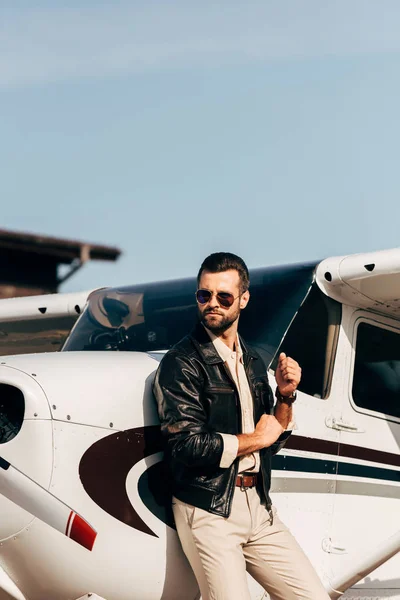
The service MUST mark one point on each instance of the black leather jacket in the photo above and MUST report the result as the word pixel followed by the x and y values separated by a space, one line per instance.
pixel 197 399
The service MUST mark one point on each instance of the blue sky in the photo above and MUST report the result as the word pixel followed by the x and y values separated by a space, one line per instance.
pixel 175 129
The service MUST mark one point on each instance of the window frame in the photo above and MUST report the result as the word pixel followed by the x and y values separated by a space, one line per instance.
pixel 381 323
pixel 333 343
pixel 335 315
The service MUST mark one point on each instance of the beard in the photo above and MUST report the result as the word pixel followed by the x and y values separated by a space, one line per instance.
pixel 218 322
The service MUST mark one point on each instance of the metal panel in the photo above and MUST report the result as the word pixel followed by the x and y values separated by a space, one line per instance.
pixel 104 389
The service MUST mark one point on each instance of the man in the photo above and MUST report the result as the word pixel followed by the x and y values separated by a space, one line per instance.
pixel 221 429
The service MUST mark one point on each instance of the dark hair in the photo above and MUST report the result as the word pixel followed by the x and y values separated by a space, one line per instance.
pixel 226 261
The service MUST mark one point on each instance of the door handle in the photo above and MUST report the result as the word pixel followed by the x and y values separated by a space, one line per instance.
pixel 333 547
pixel 340 425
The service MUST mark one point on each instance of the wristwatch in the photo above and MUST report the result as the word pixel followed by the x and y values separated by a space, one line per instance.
pixel 285 399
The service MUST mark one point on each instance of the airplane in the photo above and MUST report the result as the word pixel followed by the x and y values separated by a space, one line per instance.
pixel 84 503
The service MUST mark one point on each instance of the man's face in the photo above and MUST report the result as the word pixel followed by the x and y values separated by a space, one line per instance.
pixel 213 315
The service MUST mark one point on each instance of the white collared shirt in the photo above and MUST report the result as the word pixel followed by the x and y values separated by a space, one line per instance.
pixel 233 359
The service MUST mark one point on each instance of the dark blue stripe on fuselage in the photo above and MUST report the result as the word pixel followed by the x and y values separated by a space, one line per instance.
pixel 153 488
pixel 316 465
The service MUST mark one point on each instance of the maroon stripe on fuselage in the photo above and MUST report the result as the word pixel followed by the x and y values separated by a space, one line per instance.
pixel 105 465
pixel 297 442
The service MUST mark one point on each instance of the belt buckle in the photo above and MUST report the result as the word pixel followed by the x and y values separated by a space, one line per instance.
pixel 243 487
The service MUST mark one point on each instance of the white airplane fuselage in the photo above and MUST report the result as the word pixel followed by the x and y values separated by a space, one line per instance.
pixel 101 395
pixel 90 436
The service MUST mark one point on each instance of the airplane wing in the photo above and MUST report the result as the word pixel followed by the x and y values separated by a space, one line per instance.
pixel 370 280
pixel 38 323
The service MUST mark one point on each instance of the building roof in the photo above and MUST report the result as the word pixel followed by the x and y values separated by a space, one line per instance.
pixel 29 263
pixel 62 250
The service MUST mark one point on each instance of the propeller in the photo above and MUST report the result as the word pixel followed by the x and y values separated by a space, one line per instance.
pixel 38 501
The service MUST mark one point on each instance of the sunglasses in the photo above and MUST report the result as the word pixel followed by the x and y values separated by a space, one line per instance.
pixel 225 299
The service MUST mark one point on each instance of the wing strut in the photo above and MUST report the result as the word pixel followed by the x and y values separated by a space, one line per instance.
pixel 362 568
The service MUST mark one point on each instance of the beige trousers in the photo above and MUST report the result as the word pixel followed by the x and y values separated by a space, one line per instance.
pixel 221 550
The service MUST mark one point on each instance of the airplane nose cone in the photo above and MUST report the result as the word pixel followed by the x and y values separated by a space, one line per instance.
pixel 25 441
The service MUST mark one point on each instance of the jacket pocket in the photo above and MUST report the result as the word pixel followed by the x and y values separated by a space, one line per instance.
pixel 263 395
pixel 220 402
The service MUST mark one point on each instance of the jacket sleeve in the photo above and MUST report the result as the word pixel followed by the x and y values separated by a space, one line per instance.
pixel 178 389
pixel 281 441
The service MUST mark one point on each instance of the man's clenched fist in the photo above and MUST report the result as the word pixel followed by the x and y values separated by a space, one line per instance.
pixel 287 375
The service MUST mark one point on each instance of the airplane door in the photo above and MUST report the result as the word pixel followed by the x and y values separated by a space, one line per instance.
pixel 304 472
pixel 367 498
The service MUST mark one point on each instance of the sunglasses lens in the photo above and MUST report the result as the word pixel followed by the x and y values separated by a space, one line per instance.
pixel 225 299
pixel 203 296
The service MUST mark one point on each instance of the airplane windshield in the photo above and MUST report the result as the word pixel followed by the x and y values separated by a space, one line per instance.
pixel 154 316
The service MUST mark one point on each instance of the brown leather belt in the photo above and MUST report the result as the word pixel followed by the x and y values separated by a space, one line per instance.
pixel 246 480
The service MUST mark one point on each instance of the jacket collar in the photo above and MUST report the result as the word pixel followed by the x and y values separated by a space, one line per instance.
pixel 206 348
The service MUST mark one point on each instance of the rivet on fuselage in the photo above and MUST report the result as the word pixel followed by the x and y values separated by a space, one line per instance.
pixel 111 424
pixel 69 417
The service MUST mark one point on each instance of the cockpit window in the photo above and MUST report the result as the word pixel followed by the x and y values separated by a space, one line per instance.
pixel 312 341
pixel 376 383
pixel 155 316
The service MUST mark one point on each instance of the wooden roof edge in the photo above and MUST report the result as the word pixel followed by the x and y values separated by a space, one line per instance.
pixel 54 246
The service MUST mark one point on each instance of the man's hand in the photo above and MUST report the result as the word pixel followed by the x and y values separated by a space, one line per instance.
pixel 287 375
pixel 267 430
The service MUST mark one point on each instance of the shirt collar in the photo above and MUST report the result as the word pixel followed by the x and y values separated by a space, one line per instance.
pixel 223 350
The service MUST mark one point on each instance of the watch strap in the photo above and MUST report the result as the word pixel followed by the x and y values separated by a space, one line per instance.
pixel 285 399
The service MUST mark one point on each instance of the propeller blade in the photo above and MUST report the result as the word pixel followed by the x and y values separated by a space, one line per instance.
pixel 38 501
